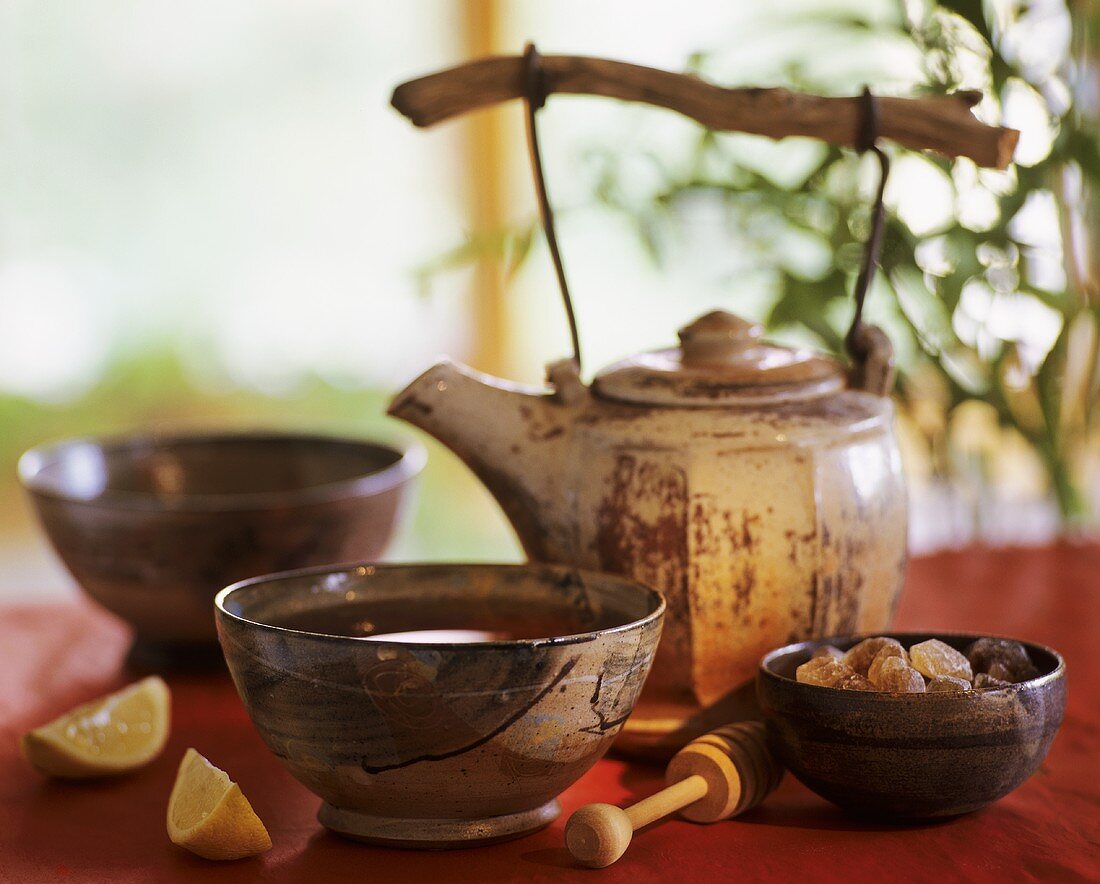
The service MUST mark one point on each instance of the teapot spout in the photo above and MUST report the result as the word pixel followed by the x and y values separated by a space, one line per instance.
pixel 512 437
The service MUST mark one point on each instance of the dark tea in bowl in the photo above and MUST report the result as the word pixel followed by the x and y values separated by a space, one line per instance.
pixel 899 751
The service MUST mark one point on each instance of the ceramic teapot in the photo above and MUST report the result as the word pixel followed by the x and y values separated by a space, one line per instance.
pixel 750 483
pixel 758 487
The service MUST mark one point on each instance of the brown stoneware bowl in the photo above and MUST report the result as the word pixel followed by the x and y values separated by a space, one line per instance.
pixel 910 756
pixel 418 739
pixel 152 527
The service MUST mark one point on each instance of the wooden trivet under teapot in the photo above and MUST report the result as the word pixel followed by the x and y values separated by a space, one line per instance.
pixel 714 777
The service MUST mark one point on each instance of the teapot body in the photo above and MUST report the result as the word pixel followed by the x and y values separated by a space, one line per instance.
pixel 750 483
pixel 761 525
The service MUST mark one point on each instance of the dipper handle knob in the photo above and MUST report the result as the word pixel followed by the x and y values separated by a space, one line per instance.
pixel 712 778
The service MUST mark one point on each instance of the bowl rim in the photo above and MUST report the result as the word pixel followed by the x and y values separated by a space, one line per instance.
pixel 369 568
pixel 411 459
pixel 764 672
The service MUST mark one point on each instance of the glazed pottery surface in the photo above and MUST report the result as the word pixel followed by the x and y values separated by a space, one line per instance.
pixel 420 744
pixel 910 756
pixel 750 483
pixel 152 527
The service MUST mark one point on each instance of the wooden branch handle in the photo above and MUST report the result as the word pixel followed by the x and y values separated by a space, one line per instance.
pixel 940 123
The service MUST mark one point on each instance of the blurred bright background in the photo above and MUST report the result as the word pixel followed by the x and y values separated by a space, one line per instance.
pixel 211 216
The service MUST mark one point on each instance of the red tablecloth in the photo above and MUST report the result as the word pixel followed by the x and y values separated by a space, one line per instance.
pixel 1049 829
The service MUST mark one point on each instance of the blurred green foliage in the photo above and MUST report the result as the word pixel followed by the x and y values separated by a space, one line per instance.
pixel 1048 397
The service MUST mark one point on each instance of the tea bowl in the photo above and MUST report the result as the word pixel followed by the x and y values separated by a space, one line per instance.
pixel 153 526
pixel 355 680
pixel 908 757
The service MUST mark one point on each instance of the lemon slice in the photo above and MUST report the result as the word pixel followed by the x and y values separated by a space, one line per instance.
pixel 209 815
pixel 111 735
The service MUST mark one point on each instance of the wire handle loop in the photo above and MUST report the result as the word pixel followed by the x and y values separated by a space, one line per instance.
pixel 869 350
pixel 534 99
pixel 857 341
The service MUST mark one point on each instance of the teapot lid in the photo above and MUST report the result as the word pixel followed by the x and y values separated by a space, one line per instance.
pixel 721 360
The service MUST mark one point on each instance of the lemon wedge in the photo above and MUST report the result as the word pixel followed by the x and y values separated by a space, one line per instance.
pixel 209 815
pixel 112 735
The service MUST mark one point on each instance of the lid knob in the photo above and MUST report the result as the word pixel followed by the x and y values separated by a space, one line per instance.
pixel 717 337
pixel 722 360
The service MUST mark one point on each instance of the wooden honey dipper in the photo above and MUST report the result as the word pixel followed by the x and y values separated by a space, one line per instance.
pixel 712 778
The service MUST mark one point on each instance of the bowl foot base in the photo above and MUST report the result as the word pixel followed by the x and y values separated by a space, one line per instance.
pixel 428 834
